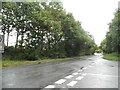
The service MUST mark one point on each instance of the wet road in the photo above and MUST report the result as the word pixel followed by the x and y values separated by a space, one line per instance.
pixel 87 72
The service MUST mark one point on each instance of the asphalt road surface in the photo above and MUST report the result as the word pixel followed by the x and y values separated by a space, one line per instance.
pixel 86 72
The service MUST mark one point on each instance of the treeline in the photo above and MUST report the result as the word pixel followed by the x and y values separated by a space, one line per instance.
pixel 43 30
pixel 112 41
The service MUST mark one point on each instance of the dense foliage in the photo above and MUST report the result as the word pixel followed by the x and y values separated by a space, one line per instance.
pixel 112 41
pixel 43 30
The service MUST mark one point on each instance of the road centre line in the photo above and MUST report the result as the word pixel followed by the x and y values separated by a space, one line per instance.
pixel 72 83
pixel 60 81
pixel 79 78
pixel 80 70
pixel 50 86
pixel 92 63
pixel 75 73
pixel 84 74
pixel 90 66
pixel 84 68
pixel 69 76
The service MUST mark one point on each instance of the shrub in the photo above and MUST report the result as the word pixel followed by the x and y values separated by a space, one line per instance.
pixel 12 53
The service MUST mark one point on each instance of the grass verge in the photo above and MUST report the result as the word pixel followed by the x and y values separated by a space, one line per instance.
pixel 10 63
pixel 112 56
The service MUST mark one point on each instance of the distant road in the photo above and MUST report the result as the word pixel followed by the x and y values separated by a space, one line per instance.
pixel 87 72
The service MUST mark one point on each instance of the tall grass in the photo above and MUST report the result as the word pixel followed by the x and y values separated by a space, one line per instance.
pixel 112 56
pixel 9 63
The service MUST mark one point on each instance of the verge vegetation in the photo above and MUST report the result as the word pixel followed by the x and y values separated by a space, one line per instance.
pixel 112 56
pixel 111 44
pixel 11 63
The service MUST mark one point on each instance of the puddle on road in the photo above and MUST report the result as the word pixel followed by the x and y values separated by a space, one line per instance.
pixel 112 66
pixel 81 67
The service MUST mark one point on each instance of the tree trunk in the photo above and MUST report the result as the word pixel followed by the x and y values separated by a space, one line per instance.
pixel 4 39
pixel 16 40
pixel 8 39
pixel 22 36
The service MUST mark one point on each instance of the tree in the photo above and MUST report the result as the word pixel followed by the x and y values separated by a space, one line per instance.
pixel 7 19
pixel 112 41
pixel 45 30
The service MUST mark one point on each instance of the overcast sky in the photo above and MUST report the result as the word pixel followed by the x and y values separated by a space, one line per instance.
pixel 94 15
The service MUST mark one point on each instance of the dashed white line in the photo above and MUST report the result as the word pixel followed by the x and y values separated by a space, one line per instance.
pixel 84 68
pixel 80 70
pixel 90 66
pixel 84 74
pixel 72 83
pixel 70 76
pixel 60 81
pixel 11 84
pixel 75 73
pixel 97 61
pixel 92 63
pixel 50 86
pixel 79 78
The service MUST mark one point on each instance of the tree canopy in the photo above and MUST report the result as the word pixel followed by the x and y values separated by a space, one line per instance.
pixel 112 41
pixel 44 30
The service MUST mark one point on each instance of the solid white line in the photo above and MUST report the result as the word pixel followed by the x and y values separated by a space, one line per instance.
pixel 70 76
pixel 72 83
pixel 75 73
pixel 79 78
pixel 60 81
pixel 102 75
pixel 50 86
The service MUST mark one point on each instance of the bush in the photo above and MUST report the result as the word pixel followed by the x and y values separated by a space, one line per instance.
pixel 112 56
pixel 12 53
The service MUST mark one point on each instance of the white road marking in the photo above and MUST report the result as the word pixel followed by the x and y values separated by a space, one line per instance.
pixel 79 78
pixel 75 73
pixel 62 63
pixel 60 81
pixel 72 83
pixel 50 86
pixel 70 76
pixel 11 84
pixel 84 74
pixel 102 75
pixel 90 66
pixel 89 58
pixel 92 63
pixel 97 61
pixel 80 70
pixel 84 68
